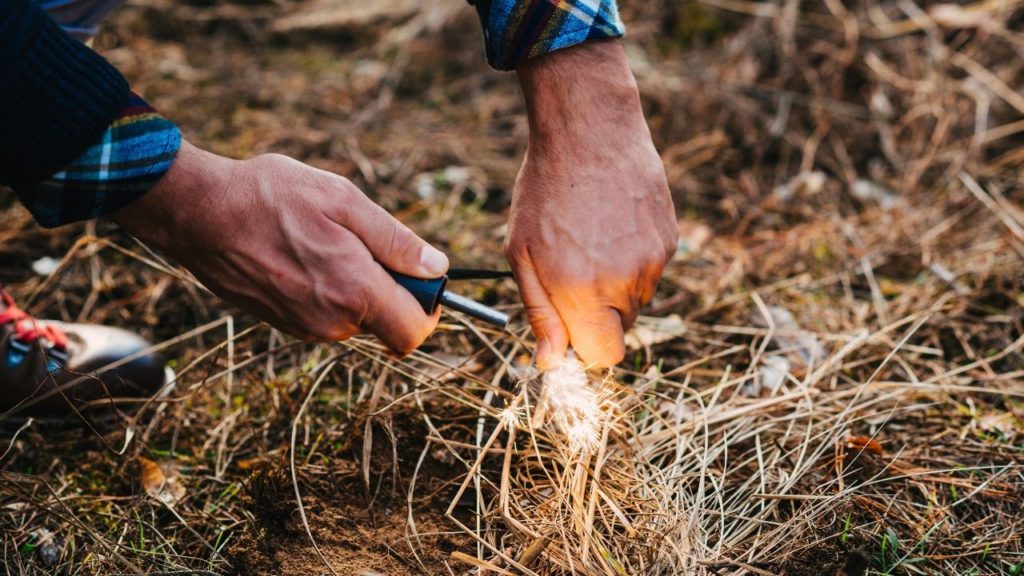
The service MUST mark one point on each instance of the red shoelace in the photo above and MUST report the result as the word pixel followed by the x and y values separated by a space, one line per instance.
pixel 27 329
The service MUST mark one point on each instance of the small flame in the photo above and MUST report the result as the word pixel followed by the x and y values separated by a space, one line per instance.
pixel 573 403
pixel 583 436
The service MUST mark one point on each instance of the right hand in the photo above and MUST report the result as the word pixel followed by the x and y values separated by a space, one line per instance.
pixel 301 248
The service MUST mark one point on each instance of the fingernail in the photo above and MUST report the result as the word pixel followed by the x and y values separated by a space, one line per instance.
pixel 433 261
pixel 543 355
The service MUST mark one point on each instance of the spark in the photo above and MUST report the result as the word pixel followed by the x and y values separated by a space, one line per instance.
pixel 510 418
pixel 573 403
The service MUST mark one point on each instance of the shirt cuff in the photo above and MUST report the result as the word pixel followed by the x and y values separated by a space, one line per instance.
pixel 131 156
pixel 516 30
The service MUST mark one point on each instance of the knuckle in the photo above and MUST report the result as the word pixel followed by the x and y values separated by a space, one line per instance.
pixel 396 240
pixel 323 180
pixel 655 255
pixel 341 185
pixel 670 241
pixel 405 243
pixel 545 322
pixel 654 170
pixel 657 259
pixel 391 239
pixel 361 302
pixel 631 309
pixel 516 251
pixel 540 314
pixel 272 160
pixel 669 249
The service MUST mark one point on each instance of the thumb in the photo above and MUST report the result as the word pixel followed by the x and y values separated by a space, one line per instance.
pixel 552 336
pixel 393 244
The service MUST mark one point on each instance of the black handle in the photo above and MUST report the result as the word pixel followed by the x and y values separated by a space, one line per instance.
pixel 427 292
pixel 431 294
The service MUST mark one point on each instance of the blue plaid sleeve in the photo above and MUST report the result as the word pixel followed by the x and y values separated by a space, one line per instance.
pixel 135 151
pixel 515 30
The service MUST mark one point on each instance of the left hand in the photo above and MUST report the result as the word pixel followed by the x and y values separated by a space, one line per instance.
pixel 592 222
pixel 301 248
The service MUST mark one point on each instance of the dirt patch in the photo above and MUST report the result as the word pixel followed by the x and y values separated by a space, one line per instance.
pixel 827 558
pixel 359 529
pixel 354 539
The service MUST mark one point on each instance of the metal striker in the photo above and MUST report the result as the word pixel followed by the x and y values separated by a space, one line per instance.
pixel 432 293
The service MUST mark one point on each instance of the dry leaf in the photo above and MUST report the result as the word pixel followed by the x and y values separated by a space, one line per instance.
pixel 161 481
pixel 771 376
pixel 872 191
pixel 803 184
pixel 45 542
pixel 250 463
pixel 790 338
pixel 1002 424
pixel 651 330
pixel 863 443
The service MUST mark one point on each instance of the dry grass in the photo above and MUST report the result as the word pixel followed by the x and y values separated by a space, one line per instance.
pixel 838 391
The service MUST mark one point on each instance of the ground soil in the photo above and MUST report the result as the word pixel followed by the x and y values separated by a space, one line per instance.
pixel 354 536
pixel 360 529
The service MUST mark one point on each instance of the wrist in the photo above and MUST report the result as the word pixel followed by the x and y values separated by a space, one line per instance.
pixel 183 195
pixel 578 91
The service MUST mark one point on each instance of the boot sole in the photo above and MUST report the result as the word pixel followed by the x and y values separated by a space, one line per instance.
pixel 104 417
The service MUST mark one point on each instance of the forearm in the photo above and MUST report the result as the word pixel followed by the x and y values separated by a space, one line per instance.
pixel 587 91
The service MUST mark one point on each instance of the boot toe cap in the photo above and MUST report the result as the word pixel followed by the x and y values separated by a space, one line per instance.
pixel 118 357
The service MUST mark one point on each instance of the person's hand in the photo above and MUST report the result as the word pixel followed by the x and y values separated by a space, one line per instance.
pixel 300 248
pixel 592 223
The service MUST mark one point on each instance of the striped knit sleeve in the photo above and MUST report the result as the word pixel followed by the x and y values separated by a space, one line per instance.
pixel 515 30
pixel 134 152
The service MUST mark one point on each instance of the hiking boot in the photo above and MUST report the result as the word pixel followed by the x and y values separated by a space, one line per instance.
pixel 55 369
